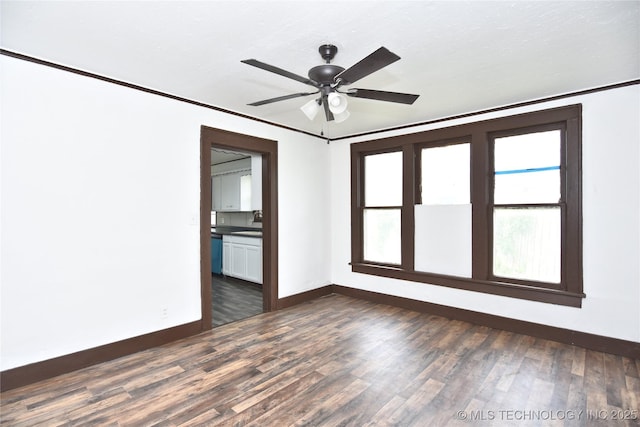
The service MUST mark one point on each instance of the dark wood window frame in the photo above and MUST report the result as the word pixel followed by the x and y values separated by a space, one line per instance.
pixel 480 135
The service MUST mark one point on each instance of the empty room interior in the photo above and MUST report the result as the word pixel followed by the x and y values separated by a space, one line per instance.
pixel 271 213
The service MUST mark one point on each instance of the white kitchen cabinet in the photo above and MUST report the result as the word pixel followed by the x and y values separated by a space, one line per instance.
pixel 242 257
pixel 235 191
pixel 256 182
pixel 245 191
pixel 254 263
pixel 237 186
pixel 226 257
pixel 216 193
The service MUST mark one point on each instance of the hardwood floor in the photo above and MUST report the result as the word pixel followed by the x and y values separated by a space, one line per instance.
pixel 341 361
pixel 233 299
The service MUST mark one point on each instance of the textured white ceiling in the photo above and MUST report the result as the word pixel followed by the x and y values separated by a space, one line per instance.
pixel 458 56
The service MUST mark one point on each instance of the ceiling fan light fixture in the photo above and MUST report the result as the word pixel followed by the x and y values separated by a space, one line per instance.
pixel 337 103
pixel 311 108
pixel 341 117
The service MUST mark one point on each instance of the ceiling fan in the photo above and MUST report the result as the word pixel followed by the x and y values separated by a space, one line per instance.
pixel 328 79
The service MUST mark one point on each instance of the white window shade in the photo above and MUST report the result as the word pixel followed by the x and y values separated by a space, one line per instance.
pixel 443 239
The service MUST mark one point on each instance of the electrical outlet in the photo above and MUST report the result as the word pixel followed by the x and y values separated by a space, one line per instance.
pixel 221 220
pixel 164 312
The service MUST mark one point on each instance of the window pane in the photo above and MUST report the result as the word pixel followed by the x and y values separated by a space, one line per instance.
pixel 445 175
pixel 526 243
pixel 527 168
pixel 383 179
pixel 532 187
pixel 382 235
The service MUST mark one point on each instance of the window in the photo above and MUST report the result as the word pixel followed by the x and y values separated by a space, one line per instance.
pixel 527 206
pixel 442 215
pixel 445 174
pixel 382 207
pixel 492 206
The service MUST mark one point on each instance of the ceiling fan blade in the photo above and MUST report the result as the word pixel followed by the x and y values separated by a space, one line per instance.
pixel 372 63
pixel 281 98
pixel 279 71
pixel 327 112
pixel 402 98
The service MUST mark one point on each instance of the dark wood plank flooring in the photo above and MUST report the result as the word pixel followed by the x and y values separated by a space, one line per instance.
pixel 233 299
pixel 338 361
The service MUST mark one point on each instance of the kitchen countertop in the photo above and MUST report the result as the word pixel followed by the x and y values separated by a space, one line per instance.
pixel 248 233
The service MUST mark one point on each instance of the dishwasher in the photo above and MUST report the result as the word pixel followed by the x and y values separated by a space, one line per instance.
pixel 216 253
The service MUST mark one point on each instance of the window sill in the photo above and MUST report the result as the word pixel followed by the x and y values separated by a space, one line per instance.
pixel 531 293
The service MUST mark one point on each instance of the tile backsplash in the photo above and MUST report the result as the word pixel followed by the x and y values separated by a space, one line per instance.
pixel 236 219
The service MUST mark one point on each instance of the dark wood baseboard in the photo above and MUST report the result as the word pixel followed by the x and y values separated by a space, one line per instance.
pixel 296 299
pixel 604 344
pixel 34 372
pixel 38 371
pixel 566 336
pixel 24 375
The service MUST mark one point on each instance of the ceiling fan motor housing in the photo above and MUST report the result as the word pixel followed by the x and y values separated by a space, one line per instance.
pixel 325 74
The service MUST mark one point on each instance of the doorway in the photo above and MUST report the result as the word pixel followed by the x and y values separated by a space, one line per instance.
pixel 212 137
pixel 236 218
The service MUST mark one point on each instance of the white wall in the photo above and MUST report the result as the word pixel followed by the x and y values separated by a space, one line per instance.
pixel 100 211
pixel 304 221
pixel 100 194
pixel 611 228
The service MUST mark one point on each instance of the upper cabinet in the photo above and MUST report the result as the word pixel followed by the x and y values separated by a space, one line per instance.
pixel 237 186
pixel 216 193
pixel 256 182
pixel 235 191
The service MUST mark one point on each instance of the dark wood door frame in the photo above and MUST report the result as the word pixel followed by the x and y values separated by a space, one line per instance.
pixel 210 137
